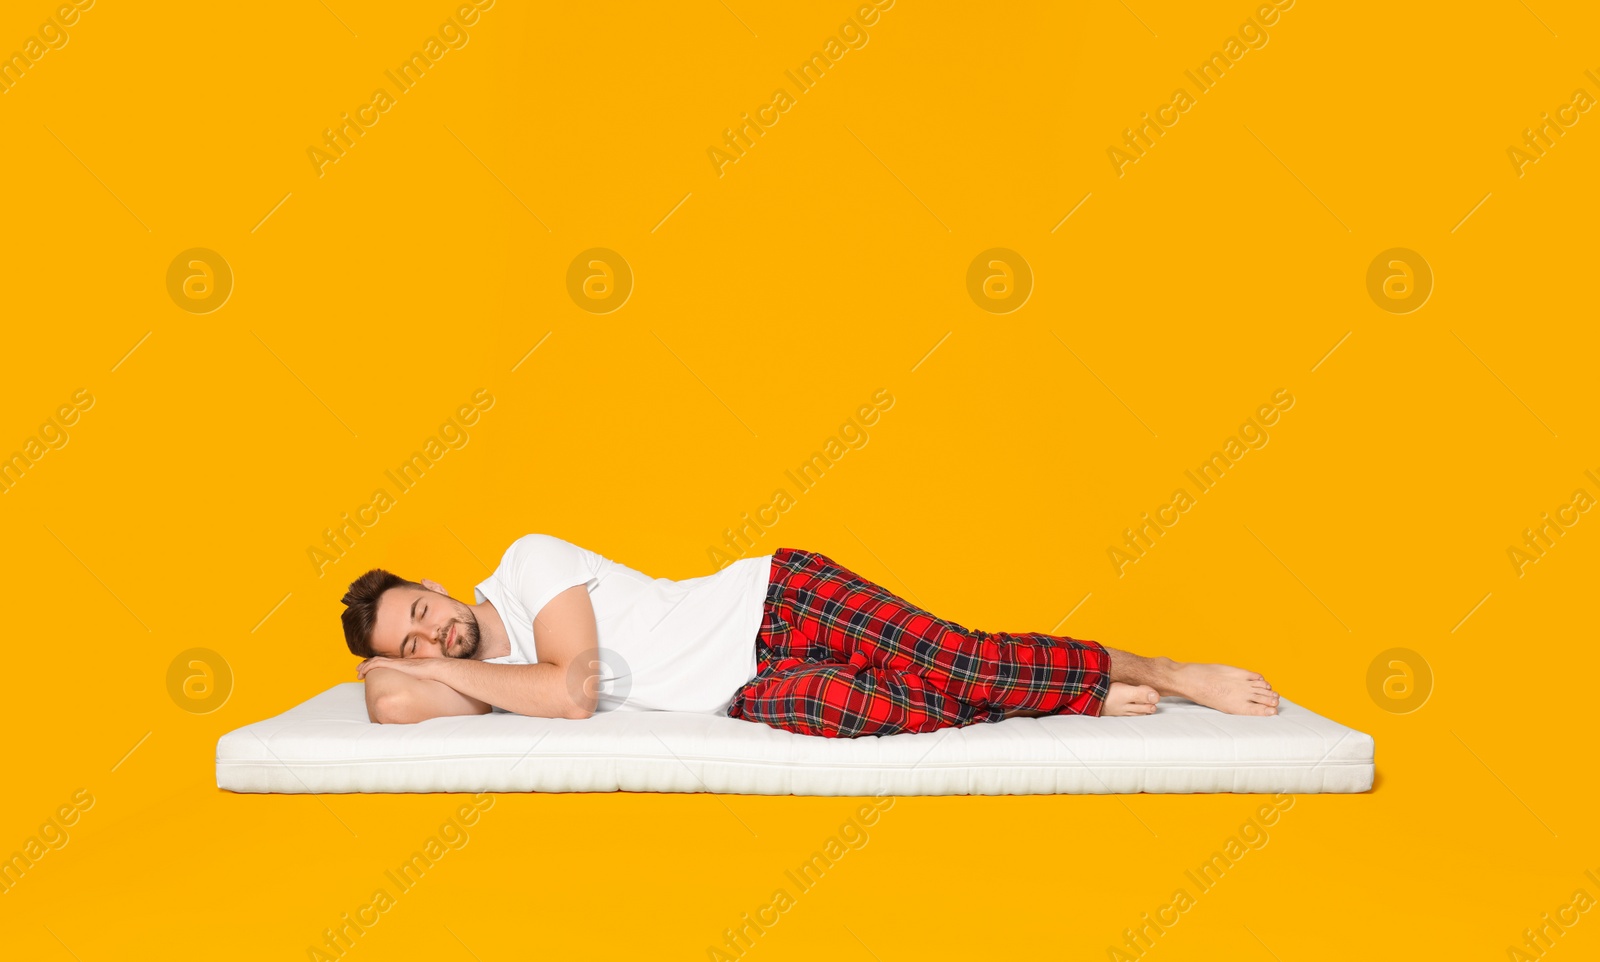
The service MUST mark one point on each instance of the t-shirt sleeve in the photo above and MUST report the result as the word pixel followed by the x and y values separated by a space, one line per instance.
pixel 545 566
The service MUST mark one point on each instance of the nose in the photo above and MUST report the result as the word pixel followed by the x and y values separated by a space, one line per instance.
pixel 435 640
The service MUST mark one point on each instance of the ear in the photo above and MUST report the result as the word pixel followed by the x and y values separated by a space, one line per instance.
pixel 432 585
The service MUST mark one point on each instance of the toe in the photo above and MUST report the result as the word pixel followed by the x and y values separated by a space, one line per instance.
pixel 1152 696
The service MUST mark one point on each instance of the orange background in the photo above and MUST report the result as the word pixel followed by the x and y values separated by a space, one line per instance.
pixel 770 303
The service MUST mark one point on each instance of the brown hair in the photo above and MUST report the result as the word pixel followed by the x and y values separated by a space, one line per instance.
pixel 360 615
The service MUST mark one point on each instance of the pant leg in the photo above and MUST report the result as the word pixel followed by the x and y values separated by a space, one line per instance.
pixel 840 656
pixel 815 680
pixel 846 700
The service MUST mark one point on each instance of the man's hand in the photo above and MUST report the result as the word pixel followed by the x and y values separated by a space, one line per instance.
pixel 415 667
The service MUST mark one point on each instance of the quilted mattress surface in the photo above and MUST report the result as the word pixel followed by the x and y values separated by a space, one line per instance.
pixel 327 745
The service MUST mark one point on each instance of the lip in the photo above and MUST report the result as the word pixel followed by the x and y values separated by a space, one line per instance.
pixel 450 637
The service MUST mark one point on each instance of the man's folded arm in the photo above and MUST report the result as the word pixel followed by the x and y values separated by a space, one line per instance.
pixel 562 684
pixel 398 698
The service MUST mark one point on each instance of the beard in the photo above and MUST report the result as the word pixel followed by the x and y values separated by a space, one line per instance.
pixel 467 638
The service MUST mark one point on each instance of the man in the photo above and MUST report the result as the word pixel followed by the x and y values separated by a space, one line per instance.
pixel 790 639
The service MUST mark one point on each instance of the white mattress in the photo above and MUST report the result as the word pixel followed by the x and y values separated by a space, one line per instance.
pixel 327 745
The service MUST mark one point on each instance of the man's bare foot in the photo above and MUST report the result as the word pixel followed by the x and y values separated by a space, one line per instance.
pixel 1129 700
pixel 1225 688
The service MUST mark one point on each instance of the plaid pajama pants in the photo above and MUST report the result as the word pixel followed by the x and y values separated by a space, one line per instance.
pixel 840 656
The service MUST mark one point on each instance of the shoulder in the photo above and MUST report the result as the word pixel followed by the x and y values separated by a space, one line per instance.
pixel 541 549
pixel 535 541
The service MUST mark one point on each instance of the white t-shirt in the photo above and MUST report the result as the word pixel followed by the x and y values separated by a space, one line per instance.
pixel 664 645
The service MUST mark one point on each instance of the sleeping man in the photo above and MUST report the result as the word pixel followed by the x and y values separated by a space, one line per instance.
pixel 791 639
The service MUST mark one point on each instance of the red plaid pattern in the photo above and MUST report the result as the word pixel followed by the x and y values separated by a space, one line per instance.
pixel 840 656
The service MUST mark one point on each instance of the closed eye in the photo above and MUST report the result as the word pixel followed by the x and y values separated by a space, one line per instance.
pixel 413 638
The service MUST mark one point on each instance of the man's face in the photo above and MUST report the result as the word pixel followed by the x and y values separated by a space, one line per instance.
pixel 424 623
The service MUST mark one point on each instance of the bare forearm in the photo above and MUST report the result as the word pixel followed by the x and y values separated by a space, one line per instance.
pixel 394 697
pixel 540 690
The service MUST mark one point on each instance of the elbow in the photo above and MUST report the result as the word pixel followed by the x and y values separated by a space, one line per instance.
pixel 582 698
pixel 390 708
